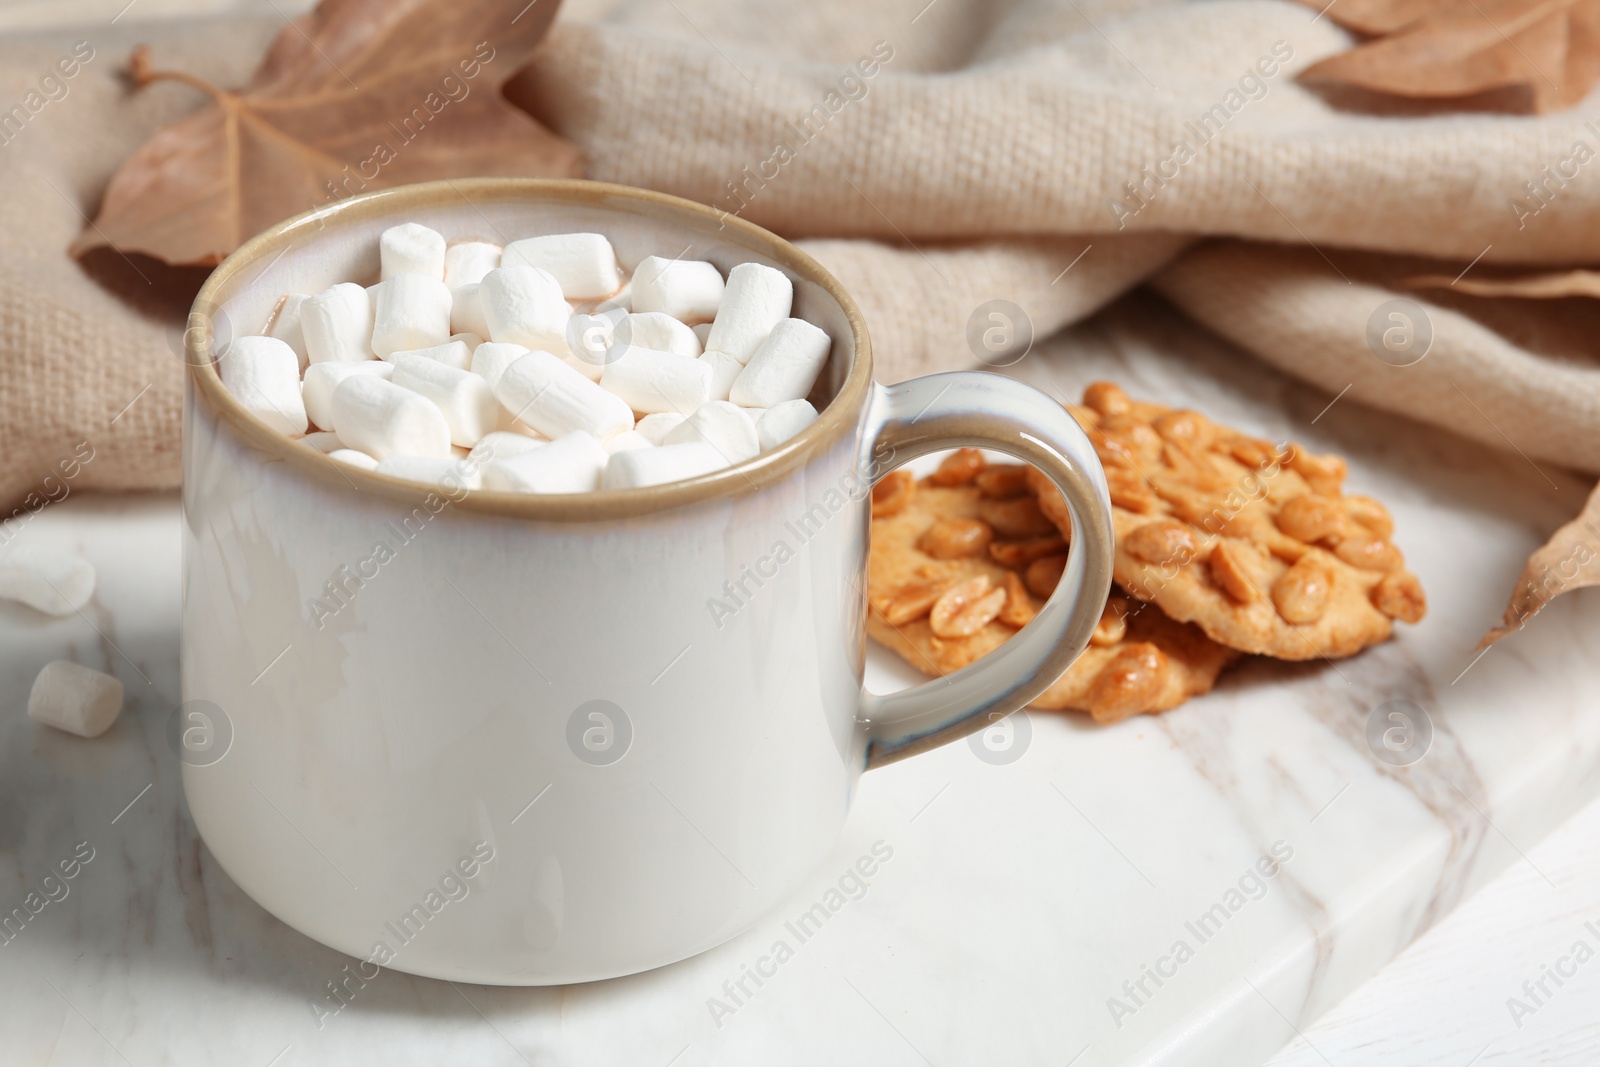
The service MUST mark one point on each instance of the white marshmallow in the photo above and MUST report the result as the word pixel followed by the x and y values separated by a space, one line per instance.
pixel 503 444
pixel 569 464
pixel 450 472
pixel 381 419
pixel 323 441
pixel 654 428
pixel 466 400
pixel 354 458
pixel 412 311
pixel 652 381
pixel 723 426
pixel 411 248
pixel 46 579
pixel 490 360
pixel 337 323
pixel 621 300
pixel 627 441
pixel 74 698
pixel 286 327
pixel 785 367
pixel 782 421
pixel 457 354
pixel 757 298
pixel 466 310
pixel 725 370
pixel 524 306
pixel 702 331
pixel 553 398
pixel 321 380
pixel 688 290
pixel 471 340
pixel 466 263
pixel 583 264
pixel 662 332
pixel 263 374
pixel 656 466
pixel 590 338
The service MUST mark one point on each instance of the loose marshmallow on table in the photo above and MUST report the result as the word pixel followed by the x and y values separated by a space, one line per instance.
pixel 785 367
pixel 490 360
pixel 455 354
pixel 654 428
pixel 725 370
pixel 75 698
pixel 569 464
pixel 466 310
pixel 653 329
pixel 382 419
pixel 337 323
pixel 412 311
pixel 551 396
pixel 411 248
pixel 583 264
pixel 451 473
pixel 354 458
pixel 688 290
pixel 782 421
pixel 652 381
pixel 45 579
pixel 657 466
pixel 524 306
pixel 321 380
pixel 263 374
pixel 466 400
pixel 286 327
pixel 466 263
pixel 723 426
pixel 503 444
pixel 757 298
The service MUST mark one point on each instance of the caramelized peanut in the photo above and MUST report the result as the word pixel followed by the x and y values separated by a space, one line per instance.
pixel 1369 554
pixel 1187 428
pixel 1301 593
pixel 1399 595
pixel 892 493
pixel 1043 575
pixel 1161 541
pixel 1113 624
pixel 1019 554
pixel 1255 453
pixel 1324 474
pixel 1003 481
pixel 1019 609
pixel 955 538
pixel 1016 518
pixel 1236 566
pixel 1130 682
pixel 966 607
pixel 958 468
pixel 1107 398
pixel 910 602
pixel 1371 514
pixel 1311 518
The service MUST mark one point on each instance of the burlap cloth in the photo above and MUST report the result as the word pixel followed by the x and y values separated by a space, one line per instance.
pixel 979 161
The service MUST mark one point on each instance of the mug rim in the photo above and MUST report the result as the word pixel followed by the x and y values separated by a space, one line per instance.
pixel 837 418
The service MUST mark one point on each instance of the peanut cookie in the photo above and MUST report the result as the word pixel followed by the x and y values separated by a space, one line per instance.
pixel 1255 544
pixel 960 562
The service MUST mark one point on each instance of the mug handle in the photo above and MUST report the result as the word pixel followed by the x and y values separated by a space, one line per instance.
pixel 942 411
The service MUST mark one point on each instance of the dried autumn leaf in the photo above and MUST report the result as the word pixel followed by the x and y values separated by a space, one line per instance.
pixel 1440 49
pixel 1543 286
pixel 1569 560
pixel 354 96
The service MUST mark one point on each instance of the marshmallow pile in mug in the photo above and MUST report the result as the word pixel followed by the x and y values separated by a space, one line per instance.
pixel 469 365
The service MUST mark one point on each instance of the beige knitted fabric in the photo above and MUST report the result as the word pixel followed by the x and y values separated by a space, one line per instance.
pixel 1051 153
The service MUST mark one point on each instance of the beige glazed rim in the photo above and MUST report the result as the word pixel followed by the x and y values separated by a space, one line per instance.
pixel 838 418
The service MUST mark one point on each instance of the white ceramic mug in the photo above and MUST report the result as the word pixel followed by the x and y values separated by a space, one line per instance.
pixel 524 739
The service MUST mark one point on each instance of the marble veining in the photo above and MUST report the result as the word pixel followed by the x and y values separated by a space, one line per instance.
pixel 1019 899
